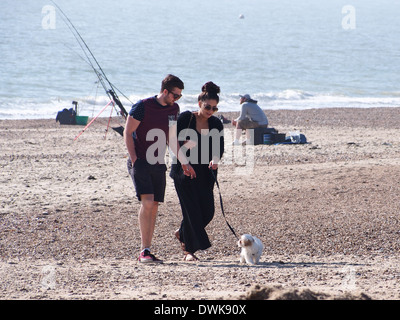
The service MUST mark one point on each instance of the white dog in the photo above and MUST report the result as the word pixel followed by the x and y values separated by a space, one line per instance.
pixel 251 249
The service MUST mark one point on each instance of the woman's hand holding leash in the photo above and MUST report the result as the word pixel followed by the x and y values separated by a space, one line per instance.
pixel 213 165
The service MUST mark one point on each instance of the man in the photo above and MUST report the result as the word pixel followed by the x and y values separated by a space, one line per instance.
pixel 251 116
pixel 146 118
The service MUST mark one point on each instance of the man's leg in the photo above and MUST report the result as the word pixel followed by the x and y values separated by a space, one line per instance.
pixel 238 131
pixel 147 219
pixel 238 134
pixel 250 126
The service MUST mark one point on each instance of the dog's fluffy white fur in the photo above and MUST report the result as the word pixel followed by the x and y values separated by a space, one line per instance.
pixel 252 248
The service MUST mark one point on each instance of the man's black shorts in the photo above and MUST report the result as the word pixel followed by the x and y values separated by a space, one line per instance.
pixel 148 178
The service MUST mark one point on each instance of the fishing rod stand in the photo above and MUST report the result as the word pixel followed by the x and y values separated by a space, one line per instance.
pixel 109 119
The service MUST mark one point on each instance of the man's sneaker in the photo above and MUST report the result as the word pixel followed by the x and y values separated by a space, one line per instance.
pixel 146 257
pixel 246 142
pixel 236 143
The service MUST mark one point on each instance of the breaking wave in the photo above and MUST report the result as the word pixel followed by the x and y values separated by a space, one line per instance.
pixel 287 99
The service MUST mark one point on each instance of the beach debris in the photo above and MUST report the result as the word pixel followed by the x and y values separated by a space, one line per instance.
pixel 353 144
pixel 279 293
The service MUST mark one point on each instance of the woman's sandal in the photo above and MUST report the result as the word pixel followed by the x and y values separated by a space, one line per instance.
pixel 188 256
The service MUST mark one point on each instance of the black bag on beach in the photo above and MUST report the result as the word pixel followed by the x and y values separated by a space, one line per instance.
pixel 66 116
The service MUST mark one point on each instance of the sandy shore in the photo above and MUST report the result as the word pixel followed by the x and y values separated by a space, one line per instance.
pixel 328 213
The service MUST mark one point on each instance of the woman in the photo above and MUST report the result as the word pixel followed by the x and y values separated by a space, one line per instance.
pixel 200 136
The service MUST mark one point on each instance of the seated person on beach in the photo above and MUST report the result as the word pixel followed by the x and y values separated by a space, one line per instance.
pixel 251 116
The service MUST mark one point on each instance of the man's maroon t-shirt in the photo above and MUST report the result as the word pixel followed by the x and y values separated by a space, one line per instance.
pixel 152 115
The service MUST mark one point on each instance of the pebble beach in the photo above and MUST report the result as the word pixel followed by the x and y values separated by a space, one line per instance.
pixel 327 212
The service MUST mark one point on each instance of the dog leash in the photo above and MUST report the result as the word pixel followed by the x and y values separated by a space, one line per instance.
pixel 222 205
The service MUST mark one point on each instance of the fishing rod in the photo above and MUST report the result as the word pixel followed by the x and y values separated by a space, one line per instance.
pixel 99 70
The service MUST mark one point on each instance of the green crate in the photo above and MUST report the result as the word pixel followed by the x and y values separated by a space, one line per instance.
pixel 82 120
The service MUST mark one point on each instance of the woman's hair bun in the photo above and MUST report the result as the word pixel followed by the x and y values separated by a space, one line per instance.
pixel 209 91
pixel 210 87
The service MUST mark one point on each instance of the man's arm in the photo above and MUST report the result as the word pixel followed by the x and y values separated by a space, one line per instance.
pixel 242 115
pixel 174 145
pixel 243 112
pixel 131 125
pixel 175 148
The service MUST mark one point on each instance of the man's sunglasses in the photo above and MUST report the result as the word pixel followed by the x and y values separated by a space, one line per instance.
pixel 176 96
pixel 208 107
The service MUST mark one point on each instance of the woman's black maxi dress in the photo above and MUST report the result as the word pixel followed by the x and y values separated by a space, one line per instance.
pixel 196 196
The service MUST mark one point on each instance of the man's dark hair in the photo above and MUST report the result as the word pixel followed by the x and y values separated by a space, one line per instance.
pixel 170 82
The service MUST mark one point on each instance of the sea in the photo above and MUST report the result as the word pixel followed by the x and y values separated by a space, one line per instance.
pixel 286 54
